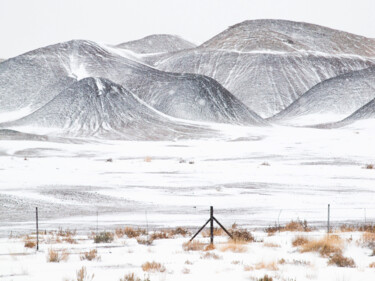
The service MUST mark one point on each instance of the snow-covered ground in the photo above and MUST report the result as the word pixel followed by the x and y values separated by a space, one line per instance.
pixel 272 255
pixel 255 177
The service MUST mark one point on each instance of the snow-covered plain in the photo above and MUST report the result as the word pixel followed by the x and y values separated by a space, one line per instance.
pixel 254 176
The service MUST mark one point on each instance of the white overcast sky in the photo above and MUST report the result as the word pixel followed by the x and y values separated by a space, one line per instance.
pixel 29 24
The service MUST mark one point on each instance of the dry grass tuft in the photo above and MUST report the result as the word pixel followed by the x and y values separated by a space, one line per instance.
pixel 104 237
pixel 133 277
pixel 265 278
pixel 370 166
pixel 90 255
pixel 185 270
pixel 271 245
pixel 360 227
pixel 299 241
pixel 160 235
pixel 325 246
pixel 180 231
pixel 153 267
pixel 129 232
pixel 372 265
pixel 210 255
pixel 341 261
pixel 217 232
pixel 82 275
pixel 29 244
pixel 292 226
pixel 235 247
pixel 209 247
pixel 368 239
pixel 268 266
pixel 195 245
pixel 55 256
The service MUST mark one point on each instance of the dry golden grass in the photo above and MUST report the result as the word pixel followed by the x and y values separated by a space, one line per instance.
pixel 268 266
pixel 82 275
pixel 217 232
pixel 30 244
pixel 371 265
pixel 370 166
pixel 161 235
pixel 209 255
pixel 368 239
pixel 153 267
pixel 129 232
pixel 90 255
pixel 130 277
pixel 179 231
pixel 292 226
pixel 299 241
pixel 325 246
pixel 195 245
pixel 265 278
pixel 144 241
pixel 271 245
pixel 233 246
pixel 210 247
pixel 56 256
pixel 341 261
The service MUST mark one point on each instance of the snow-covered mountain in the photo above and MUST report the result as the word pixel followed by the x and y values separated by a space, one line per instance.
pixel 157 43
pixel 29 81
pixel 268 64
pixel 100 108
pixel 331 100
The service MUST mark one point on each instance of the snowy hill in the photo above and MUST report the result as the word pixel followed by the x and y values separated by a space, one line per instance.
pixel 268 64
pixel 332 99
pixel 366 112
pixel 157 43
pixel 29 81
pixel 96 107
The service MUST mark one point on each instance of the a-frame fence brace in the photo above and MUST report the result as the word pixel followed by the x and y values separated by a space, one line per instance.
pixel 211 221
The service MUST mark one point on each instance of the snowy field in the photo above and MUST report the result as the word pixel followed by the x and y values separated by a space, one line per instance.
pixel 254 177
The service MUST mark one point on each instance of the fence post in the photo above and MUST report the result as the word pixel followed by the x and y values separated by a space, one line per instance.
pixel 212 224
pixel 37 228
pixel 329 211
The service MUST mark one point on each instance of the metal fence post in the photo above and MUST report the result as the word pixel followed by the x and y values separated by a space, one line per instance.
pixel 329 213
pixel 37 229
pixel 212 224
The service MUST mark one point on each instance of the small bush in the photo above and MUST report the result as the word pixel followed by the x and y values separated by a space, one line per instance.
pixel 82 275
pixel 153 267
pixel 341 261
pixel 195 245
pixel 370 166
pixel 209 247
pixel 180 231
pixel 90 255
pixel 242 235
pixel 297 226
pixel 372 265
pixel 130 277
pixel 160 235
pixel 269 266
pixel 368 239
pixel 299 241
pixel 104 237
pixel 55 256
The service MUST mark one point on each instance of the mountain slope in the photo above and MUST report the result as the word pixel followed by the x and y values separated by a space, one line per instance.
pixel 157 43
pixel 332 99
pixel 268 64
pixel 96 107
pixel 29 81
pixel 364 113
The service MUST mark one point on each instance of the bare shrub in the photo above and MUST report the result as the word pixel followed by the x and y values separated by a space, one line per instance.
pixel 341 261
pixel 82 275
pixel 30 244
pixel 325 246
pixel 299 241
pixel 153 267
pixel 103 237
pixel 195 245
pixel 90 255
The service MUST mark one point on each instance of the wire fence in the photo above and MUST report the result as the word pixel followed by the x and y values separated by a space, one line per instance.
pixel 320 219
